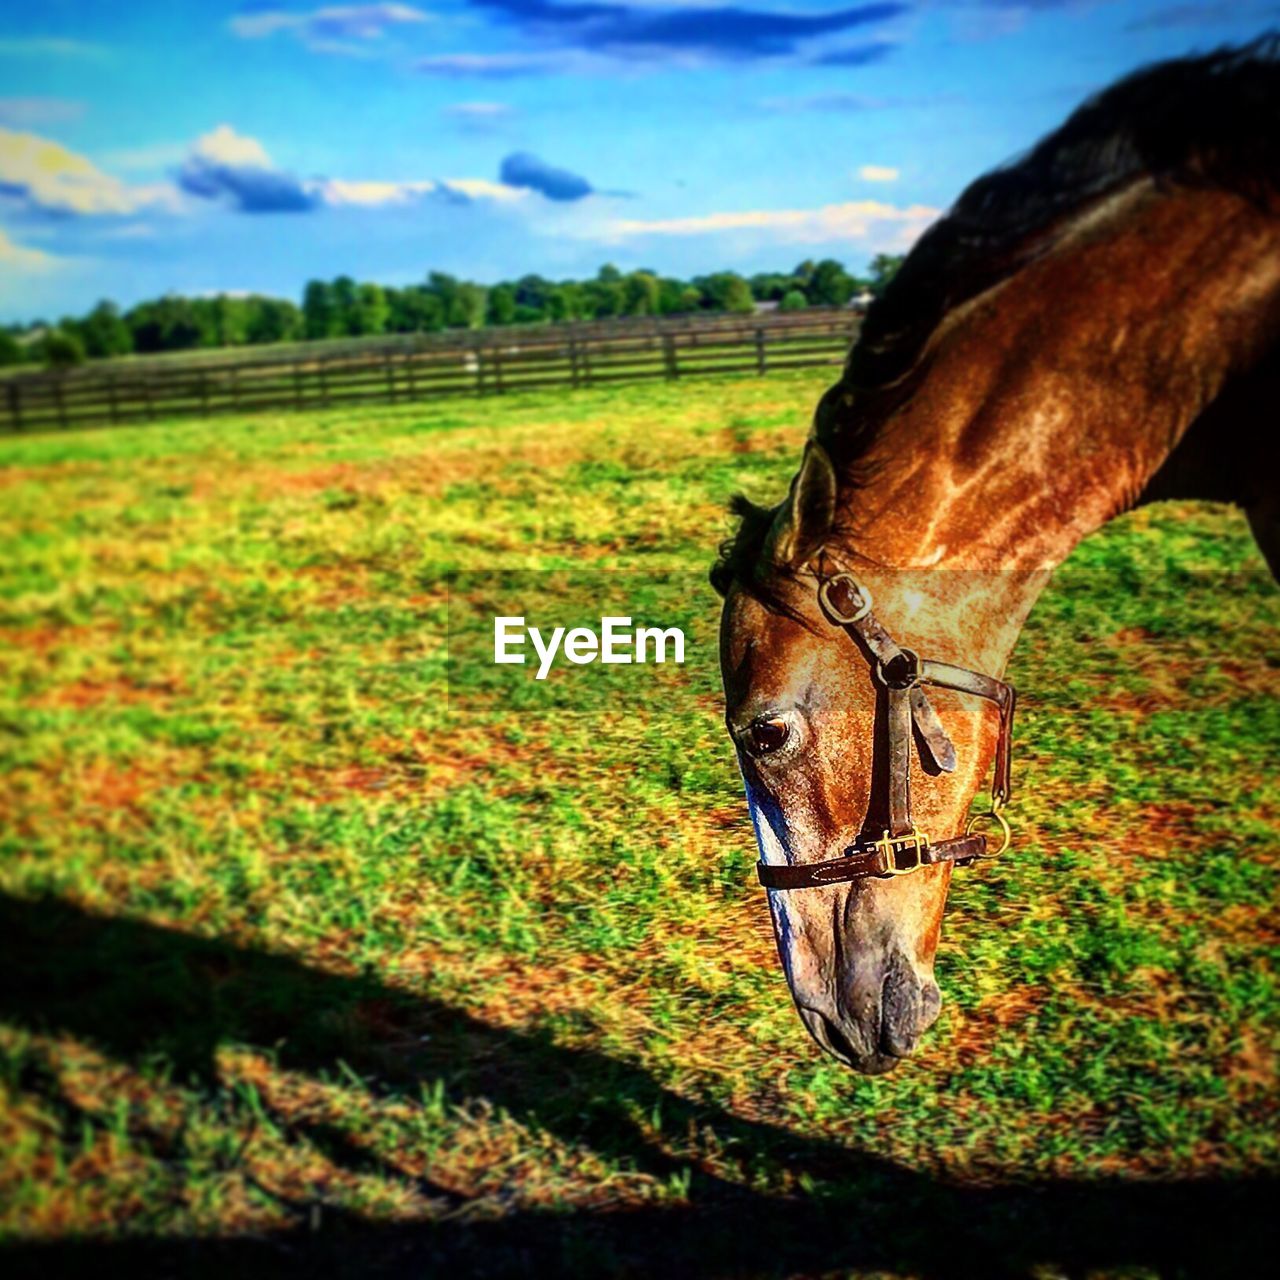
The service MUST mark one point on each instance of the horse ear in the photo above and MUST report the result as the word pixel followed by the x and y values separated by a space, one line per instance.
pixel 810 511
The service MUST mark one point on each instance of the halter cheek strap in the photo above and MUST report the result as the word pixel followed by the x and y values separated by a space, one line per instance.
pixel 903 848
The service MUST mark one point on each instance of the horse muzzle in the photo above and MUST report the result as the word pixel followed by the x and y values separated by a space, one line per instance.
pixel 878 1016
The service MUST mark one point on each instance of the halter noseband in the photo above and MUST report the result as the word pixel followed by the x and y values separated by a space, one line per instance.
pixel 904 848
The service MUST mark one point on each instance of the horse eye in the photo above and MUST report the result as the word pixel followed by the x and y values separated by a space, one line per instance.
pixel 767 734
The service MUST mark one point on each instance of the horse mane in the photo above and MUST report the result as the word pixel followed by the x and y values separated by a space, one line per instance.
pixel 1209 121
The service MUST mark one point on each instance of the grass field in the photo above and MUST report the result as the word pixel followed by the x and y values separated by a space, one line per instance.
pixel 299 952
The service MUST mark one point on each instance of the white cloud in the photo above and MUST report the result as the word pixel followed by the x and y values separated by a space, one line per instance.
pixel 224 145
pixel 483 189
pixel 222 167
pixel 340 29
pixel 16 257
pixel 235 168
pixel 878 173
pixel 478 110
pixel 890 226
pixel 42 175
pixel 339 192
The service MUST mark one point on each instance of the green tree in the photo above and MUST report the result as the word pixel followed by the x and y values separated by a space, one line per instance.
pixel 468 307
pixel 771 286
pixel 568 301
pixel 830 284
pixel 171 323
pixel 105 333
pixel 345 305
pixel 271 320
pixel 670 296
pixel 884 266
pixel 319 313
pixel 61 348
pixel 533 293
pixel 432 313
pixel 641 294
pixel 224 320
pixel 802 276
pixel 604 297
pixel 11 350
pixel 563 303
pixel 793 300
pixel 726 291
pixel 462 303
pixel 737 294
pixel 502 304
pixel 369 310
pixel 413 310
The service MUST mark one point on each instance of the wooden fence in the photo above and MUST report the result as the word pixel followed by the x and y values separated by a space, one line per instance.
pixel 388 371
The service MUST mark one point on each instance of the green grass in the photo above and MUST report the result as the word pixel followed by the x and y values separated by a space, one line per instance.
pixel 292 938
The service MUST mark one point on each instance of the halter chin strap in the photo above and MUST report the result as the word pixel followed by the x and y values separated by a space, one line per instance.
pixel 904 848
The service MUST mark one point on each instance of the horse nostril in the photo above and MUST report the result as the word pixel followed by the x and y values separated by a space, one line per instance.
pixel 908 1006
pixel 930 1005
pixel 839 1043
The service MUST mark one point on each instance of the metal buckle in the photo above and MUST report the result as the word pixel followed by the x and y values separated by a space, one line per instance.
pixel 863 595
pixel 890 846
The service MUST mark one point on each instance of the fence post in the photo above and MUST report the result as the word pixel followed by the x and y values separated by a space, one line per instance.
pixel 391 377
pixel 297 385
pixel 478 352
pixel 235 388
pixel 497 370
pixel 15 403
pixel 669 355
pixel 62 407
pixel 574 377
pixel 324 381
pixel 761 363
pixel 111 400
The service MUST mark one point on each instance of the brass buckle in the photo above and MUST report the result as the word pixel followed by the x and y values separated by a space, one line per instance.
pixel 993 815
pixel 891 846
pixel 864 598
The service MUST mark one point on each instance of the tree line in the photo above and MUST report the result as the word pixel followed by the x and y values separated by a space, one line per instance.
pixel 343 308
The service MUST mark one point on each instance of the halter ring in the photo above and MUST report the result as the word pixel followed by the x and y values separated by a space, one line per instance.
pixel 993 815
pixel 905 681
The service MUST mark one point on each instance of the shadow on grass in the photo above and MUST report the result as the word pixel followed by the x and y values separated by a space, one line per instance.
pixel 137 991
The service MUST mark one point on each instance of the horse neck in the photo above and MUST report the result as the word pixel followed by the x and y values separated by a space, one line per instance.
pixel 1049 403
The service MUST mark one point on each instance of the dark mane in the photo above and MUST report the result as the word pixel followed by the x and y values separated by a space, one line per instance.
pixel 739 554
pixel 1211 121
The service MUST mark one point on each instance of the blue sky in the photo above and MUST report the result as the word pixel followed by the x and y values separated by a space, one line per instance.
pixel 204 146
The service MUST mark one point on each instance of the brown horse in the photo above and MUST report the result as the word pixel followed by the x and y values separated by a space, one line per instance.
pixel 1094 326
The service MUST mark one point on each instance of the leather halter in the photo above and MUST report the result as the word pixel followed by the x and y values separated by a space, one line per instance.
pixel 904 848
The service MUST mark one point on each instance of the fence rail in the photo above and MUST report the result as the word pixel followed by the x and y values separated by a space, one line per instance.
pixel 491 362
